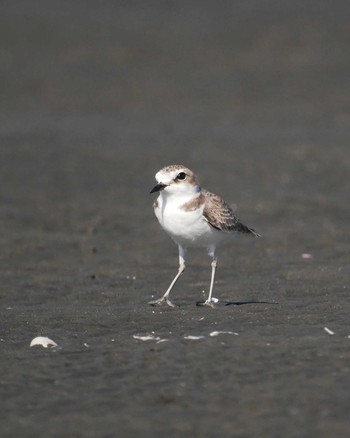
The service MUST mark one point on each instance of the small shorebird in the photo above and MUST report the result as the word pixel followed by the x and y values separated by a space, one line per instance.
pixel 192 217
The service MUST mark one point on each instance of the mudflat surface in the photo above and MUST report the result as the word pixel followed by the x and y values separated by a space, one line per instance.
pixel 96 97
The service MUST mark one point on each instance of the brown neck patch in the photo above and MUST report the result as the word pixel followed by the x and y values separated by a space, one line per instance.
pixel 195 203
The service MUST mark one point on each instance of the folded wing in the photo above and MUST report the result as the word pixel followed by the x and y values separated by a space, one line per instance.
pixel 220 216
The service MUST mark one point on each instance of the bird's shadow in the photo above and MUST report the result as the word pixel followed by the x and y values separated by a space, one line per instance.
pixel 242 303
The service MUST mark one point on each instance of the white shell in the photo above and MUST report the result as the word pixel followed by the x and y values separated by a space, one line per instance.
pixel 43 341
pixel 222 333
pixel 146 337
pixel 330 332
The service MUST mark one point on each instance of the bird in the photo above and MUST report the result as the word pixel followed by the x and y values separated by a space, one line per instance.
pixel 192 217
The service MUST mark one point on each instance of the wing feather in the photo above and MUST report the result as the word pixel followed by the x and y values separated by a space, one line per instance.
pixel 220 216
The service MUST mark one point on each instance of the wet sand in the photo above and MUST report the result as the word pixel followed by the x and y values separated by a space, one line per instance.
pixel 96 98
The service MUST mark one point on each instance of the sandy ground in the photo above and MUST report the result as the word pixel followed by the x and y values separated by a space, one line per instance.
pixel 96 97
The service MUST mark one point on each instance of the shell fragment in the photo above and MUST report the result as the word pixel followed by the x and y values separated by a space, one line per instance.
pixel 43 341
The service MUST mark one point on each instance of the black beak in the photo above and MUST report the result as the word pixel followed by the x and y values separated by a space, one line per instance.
pixel 159 187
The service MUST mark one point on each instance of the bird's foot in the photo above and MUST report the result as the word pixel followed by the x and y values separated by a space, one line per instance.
pixel 206 303
pixel 161 301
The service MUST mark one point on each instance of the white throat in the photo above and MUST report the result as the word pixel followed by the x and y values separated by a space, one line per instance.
pixel 179 195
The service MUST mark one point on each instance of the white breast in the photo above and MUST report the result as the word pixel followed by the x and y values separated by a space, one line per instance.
pixel 189 228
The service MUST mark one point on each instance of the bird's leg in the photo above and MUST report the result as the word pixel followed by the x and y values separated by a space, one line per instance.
pixel 213 269
pixel 208 301
pixel 182 267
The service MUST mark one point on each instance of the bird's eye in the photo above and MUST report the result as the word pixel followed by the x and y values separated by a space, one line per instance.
pixel 181 176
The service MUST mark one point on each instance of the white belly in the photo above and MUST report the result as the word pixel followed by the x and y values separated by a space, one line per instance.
pixel 189 228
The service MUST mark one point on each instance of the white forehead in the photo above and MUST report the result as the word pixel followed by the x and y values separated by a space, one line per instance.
pixel 168 175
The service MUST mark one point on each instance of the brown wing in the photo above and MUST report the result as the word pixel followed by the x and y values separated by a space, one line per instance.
pixel 220 216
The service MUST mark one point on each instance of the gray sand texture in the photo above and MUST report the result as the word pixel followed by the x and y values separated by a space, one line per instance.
pixel 96 98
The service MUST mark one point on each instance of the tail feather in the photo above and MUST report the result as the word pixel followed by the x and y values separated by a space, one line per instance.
pixel 244 229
